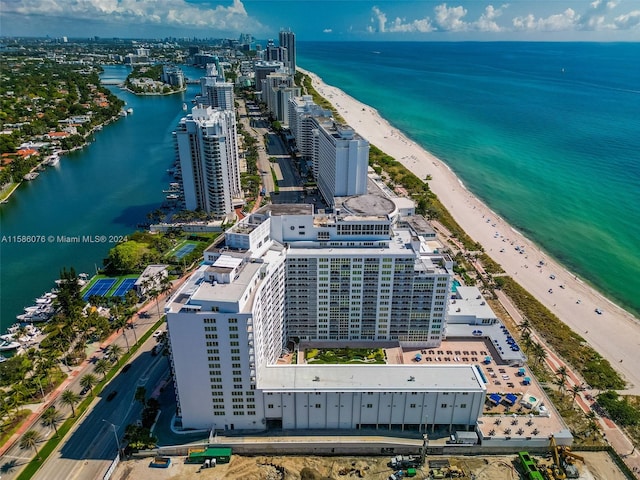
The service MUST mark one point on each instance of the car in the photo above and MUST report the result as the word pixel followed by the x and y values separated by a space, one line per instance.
pixel 112 395
pixel 126 368
pixel 598 311
pixel 157 333
pixel 84 390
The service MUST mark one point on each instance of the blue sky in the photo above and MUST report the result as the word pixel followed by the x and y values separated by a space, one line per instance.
pixel 546 20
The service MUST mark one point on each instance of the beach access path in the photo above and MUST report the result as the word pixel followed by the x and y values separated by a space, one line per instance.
pixel 614 333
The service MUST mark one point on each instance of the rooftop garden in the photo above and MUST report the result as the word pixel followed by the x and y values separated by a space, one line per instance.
pixel 345 355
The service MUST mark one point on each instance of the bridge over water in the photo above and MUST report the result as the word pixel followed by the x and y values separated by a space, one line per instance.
pixel 112 82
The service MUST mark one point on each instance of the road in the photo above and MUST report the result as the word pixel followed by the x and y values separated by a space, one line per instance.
pixel 91 445
pixel 13 458
pixel 286 172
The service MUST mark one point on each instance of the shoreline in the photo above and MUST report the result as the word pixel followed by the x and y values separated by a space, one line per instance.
pixel 614 334
pixel 42 165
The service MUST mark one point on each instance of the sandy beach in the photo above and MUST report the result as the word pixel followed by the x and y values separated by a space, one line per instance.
pixel 614 333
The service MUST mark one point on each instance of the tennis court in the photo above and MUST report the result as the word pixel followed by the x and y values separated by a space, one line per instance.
pixel 101 287
pixel 184 250
pixel 126 285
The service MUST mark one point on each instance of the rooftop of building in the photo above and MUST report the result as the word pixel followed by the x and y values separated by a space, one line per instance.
pixel 383 378
pixel 365 206
pixel 279 209
pixel 469 302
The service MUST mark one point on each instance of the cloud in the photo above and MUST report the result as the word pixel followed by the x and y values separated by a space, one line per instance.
pixel 487 21
pixel 566 20
pixel 450 18
pixel 379 19
pixel 594 18
pixel 177 13
pixel 627 21
pixel 446 19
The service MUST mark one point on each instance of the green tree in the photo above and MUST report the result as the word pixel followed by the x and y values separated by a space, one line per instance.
pixel 126 257
pixel 538 352
pixel 115 351
pixel 563 374
pixel 88 380
pixel 30 439
pixel 70 398
pixel 141 395
pixel 52 418
pixel 575 390
pixel 102 367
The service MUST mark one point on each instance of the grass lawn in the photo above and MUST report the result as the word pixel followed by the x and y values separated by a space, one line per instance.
pixel 345 355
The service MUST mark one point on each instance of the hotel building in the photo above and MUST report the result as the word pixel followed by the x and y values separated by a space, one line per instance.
pixel 207 149
pixel 288 278
pixel 340 160
pixel 302 111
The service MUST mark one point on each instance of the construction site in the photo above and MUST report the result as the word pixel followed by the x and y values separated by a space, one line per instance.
pixel 558 463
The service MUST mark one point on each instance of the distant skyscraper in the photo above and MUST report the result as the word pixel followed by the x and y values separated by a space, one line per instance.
pixel 288 41
pixel 207 150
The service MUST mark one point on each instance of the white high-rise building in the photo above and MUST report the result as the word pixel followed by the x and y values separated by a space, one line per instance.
pixel 301 123
pixel 350 278
pixel 340 160
pixel 207 148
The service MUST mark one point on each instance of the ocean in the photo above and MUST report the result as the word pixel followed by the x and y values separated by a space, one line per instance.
pixel 546 134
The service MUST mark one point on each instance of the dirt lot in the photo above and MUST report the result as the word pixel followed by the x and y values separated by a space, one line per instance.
pixel 599 467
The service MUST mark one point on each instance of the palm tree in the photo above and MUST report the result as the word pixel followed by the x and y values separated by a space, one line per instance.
pixel 155 295
pixel 52 418
pixel 70 398
pixel 102 367
pixel 563 373
pixel 88 381
pixel 575 390
pixel 30 439
pixel 539 352
pixel 525 325
pixel 115 351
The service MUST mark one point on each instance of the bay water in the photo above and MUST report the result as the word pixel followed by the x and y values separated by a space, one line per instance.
pixel 104 190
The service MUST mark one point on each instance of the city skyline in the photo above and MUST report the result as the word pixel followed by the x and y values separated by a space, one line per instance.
pixel 384 20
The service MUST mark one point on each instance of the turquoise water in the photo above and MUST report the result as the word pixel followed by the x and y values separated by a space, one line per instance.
pixel 106 189
pixel 548 135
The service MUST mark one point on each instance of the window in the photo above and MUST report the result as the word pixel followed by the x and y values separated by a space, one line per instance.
pixel 463 405
pixel 369 405
pixel 443 405
pixel 270 405
pixel 413 405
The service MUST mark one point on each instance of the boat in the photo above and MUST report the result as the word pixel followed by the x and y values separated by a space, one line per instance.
pixel 173 196
pixel 31 176
pixel 129 110
pixel 53 160
pixel 7 346
pixel 3 359
pixel 184 107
